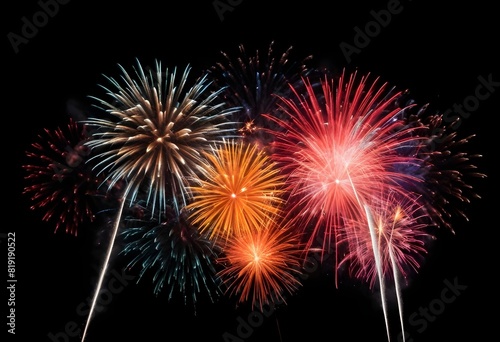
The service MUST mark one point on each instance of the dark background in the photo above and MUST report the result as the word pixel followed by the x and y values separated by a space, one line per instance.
pixel 436 51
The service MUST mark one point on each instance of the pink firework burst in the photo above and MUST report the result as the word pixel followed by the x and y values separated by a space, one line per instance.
pixel 399 236
pixel 339 147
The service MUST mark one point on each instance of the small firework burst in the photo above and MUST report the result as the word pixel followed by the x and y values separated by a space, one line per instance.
pixel 262 266
pixel 60 181
pixel 240 190
pixel 338 148
pixel 158 132
pixel 448 171
pixel 401 232
pixel 252 84
pixel 179 258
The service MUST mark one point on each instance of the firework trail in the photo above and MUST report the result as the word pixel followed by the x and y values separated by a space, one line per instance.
pixel 387 244
pixel 180 257
pixel 253 83
pixel 240 190
pixel 155 139
pixel 60 180
pixel 262 266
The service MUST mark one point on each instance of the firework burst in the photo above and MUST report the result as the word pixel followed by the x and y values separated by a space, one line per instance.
pixel 448 169
pixel 240 192
pixel 339 148
pixel 160 131
pixel 60 181
pixel 180 258
pixel 401 233
pixel 262 266
pixel 252 83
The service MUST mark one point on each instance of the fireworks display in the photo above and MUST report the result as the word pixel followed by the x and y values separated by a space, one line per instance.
pixel 229 180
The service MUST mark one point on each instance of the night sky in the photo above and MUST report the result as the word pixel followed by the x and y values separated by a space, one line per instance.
pixel 440 53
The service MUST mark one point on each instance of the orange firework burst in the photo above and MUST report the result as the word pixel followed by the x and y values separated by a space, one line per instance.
pixel 262 266
pixel 240 193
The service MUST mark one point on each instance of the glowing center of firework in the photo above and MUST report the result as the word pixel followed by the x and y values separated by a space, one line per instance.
pixel 398 215
pixel 380 227
pixel 327 184
pixel 256 255
pixel 233 194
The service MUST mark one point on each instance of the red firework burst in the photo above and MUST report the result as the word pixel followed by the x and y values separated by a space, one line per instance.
pixel 59 180
pixel 339 147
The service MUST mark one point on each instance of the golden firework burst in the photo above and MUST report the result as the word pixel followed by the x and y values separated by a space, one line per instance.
pixel 240 191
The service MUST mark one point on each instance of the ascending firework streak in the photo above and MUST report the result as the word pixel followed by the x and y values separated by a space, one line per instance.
pixel 376 255
pixel 158 137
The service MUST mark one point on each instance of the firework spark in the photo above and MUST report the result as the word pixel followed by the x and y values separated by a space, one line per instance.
pixel 181 259
pixel 241 190
pixel 60 181
pixel 262 266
